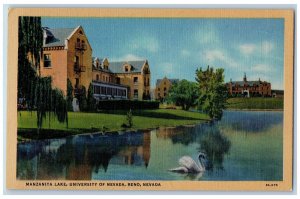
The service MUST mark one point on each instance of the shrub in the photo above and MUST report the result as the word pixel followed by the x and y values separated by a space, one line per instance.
pixel 127 104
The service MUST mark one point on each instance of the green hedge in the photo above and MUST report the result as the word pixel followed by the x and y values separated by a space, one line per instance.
pixel 127 104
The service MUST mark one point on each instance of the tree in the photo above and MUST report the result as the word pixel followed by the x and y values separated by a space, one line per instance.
pixel 91 101
pixel 82 99
pixel 183 93
pixel 212 90
pixel 37 90
pixel 69 95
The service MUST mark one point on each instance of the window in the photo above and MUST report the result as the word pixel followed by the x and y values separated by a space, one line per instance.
pixel 83 45
pixel 77 45
pixel 118 80
pixel 77 61
pixel 135 93
pixel 47 60
pixel 135 80
pixel 126 68
pixel 165 88
pixel 97 77
pixel 158 89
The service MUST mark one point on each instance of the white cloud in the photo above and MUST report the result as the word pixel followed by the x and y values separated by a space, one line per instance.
pixel 247 49
pixel 149 44
pixel 127 57
pixel 207 34
pixel 185 53
pixel 261 49
pixel 261 68
pixel 267 47
pixel 166 68
pixel 219 55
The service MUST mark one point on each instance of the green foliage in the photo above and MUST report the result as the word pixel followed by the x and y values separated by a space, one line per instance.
pixel 146 97
pixel 127 104
pixel 91 101
pixel 80 122
pixel 36 90
pixel 129 119
pixel 82 99
pixel 213 92
pixel 255 103
pixel 69 95
pixel 184 93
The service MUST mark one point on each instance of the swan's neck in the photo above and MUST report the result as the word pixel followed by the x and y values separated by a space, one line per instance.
pixel 201 165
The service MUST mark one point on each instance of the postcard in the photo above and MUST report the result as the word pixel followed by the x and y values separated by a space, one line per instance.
pixel 150 99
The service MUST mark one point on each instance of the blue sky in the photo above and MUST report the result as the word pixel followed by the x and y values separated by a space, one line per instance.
pixel 177 47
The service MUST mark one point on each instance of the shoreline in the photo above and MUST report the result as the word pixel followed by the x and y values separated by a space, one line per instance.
pixel 269 110
pixel 66 133
pixel 29 134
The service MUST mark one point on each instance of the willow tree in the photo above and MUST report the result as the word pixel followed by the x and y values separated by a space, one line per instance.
pixel 34 89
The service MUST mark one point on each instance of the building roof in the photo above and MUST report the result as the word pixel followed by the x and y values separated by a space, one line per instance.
pixel 249 83
pixel 56 37
pixel 173 81
pixel 117 67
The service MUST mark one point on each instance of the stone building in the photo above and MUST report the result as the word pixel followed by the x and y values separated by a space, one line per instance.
pixel 247 88
pixel 133 75
pixel 67 54
pixel 162 87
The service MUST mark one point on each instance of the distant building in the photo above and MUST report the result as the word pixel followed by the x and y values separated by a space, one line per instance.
pixel 249 88
pixel 278 93
pixel 162 87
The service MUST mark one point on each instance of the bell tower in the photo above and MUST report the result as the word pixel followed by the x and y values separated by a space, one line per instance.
pixel 245 78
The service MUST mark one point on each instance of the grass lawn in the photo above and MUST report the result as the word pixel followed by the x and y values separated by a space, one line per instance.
pixel 255 103
pixel 110 121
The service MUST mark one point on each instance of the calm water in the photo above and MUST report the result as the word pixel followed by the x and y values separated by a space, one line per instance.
pixel 242 146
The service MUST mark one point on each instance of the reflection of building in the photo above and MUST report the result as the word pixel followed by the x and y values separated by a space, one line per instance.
pixel 249 88
pixel 67 54
pixel 135 155
pixel 162 87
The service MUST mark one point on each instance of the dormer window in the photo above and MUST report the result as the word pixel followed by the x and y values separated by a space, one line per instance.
pixel 127 68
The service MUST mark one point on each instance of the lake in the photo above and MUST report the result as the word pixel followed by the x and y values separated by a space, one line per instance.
pixel 243 146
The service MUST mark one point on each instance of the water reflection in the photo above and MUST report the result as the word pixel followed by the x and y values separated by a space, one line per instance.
pixel 255 121
pixel 76 158
pixel 215 145
pixel 242 146
pixel 208 136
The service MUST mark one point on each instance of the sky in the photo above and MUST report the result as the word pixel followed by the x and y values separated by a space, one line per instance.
pixel 176 47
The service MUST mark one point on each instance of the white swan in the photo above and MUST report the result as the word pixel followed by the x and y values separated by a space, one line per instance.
pixel 188 165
